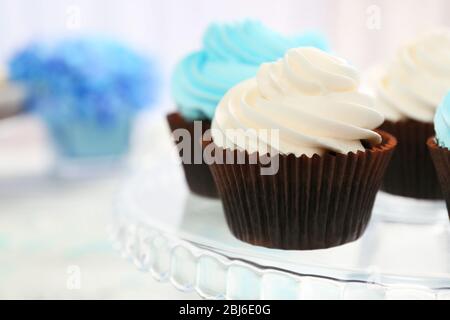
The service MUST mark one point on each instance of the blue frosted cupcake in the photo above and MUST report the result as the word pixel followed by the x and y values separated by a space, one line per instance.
pixel 88 91
pixel 439 147
pixel 231 53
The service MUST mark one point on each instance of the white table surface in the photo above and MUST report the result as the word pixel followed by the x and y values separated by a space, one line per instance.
pixel 51 228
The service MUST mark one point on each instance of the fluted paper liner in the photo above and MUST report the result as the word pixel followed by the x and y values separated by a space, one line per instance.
pixel 411 172
pixel 311 203
pixel 441 159
pixel 198 176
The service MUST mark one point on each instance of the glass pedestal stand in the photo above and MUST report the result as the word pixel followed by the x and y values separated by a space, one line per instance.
pixel 392 208
pixel 182 238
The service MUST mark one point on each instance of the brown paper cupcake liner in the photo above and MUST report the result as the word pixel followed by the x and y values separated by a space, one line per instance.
pixel 10 110
pixel 411 171
pixel 311 203
pixel 198 176
pixel 441 160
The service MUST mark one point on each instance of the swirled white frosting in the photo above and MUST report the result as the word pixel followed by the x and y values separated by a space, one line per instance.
pixel 311 98
pixel 414 84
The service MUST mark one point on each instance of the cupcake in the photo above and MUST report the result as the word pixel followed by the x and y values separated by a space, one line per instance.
pixel 88 91
pixel 303 162
pixel 439 148
pixel 231 53
pixel 408 93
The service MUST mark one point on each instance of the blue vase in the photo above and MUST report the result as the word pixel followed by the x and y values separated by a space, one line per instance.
pixel 85 138
pixel 88 146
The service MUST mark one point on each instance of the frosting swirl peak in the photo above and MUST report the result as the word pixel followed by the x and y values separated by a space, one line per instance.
pixel 306 71
pixel 311 97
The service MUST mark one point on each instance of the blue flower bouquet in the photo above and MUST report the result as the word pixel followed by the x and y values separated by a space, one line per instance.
pixel 88 91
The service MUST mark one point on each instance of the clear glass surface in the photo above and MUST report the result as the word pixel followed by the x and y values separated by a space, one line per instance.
pixel 183 238
pixel 392 208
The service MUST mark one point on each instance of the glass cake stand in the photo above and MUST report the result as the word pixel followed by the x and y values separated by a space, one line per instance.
pixel 183 238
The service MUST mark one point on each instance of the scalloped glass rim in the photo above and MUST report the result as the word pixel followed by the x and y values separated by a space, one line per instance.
pixel 214 276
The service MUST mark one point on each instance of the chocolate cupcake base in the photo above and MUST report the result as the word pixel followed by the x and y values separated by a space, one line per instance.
pixel 11 102
pixel 441 159
pixel 311 203
pixel 411 172
pixel 198 175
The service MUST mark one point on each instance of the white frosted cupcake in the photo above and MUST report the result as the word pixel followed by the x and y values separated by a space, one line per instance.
pixel 326 165
pixel 408 92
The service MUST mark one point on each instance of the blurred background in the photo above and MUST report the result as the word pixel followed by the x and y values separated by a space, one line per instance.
pixel 170 29
pixel 51 229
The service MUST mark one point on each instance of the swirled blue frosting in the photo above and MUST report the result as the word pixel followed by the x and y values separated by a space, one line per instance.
pixel 84 77
pixel 442 123
pixel 231 53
